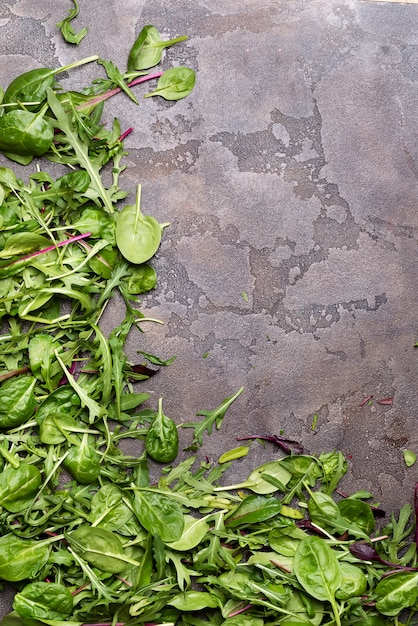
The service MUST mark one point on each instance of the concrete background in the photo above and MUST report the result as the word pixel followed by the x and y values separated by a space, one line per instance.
pixel 289 177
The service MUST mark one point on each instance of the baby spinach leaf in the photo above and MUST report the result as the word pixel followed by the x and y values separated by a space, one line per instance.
pixel 238 584
pixel 162 440
pixel 98 223
pixel 354 582
pixel 42 600
pixel 358 512
pixel 62 400
pixel 324 511
pixel 21 558
pixel 148 49
pixel 100 547
pixel 159 514
pixel 142 279
pixel 108 510
pixel 58 427
pixel 33 85
pixel 396 592
pixel 143 573
pixel 317 570
pixel 138 236
pixel 175 84
pixel 17 401
pixel 304 609
pixel 42 358
pixel 83 462
pixel 286 540
pixel 103 263
pixel 22 243
pixel 18 486
pixel 25 133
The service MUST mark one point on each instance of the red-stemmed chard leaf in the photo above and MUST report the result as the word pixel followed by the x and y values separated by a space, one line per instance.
pixel 58 244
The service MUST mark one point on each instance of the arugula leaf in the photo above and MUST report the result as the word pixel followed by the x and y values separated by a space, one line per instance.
pixel 66 28
pixel 65 124
pixel 116 77
pixel 211 418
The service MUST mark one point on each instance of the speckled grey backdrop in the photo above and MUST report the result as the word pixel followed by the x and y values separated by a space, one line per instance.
pixel 289 177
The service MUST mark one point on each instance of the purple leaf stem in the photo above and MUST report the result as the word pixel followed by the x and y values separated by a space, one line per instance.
pixel 80 589
pixel 59 244
pixel 71 369
pixel 285 444
pixel 365 552
pixel 244 608
pixel 22 370
pixel 142 79
pixel 306 524
pixel 125 134
pixel 112 92
pixel 110 624
pixel 416 513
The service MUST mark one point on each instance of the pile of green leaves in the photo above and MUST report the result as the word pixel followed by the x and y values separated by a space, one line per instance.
pixel 67 245
pixel 111 548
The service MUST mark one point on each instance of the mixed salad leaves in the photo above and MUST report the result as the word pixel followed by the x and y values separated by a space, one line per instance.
pixel 86 535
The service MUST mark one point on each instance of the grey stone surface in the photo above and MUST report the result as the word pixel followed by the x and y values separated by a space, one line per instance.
pixel 289 177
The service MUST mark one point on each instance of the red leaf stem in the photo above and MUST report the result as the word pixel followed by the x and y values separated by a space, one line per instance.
pixel 365 401
pixel 112 92
pixel 22 370
pixel 127 132
pixel 59 244
pixel 387 401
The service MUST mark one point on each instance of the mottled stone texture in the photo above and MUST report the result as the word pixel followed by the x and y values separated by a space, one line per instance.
pixel 289 177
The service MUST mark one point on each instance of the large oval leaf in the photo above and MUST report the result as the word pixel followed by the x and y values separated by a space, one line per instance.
pixel 25 133
pixel 100 547
pixel 317 569
pixel 159 514
pixel 21 558
pixel 23 243
pixel 43 600
pixel 17 401
pixel 138 236
pixel 176 83
pixel 396 592
pixel 108 509
pixel 18 486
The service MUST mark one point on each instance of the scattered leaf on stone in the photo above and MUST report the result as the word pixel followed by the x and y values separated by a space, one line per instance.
pixel 410 457
pixel 387 401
